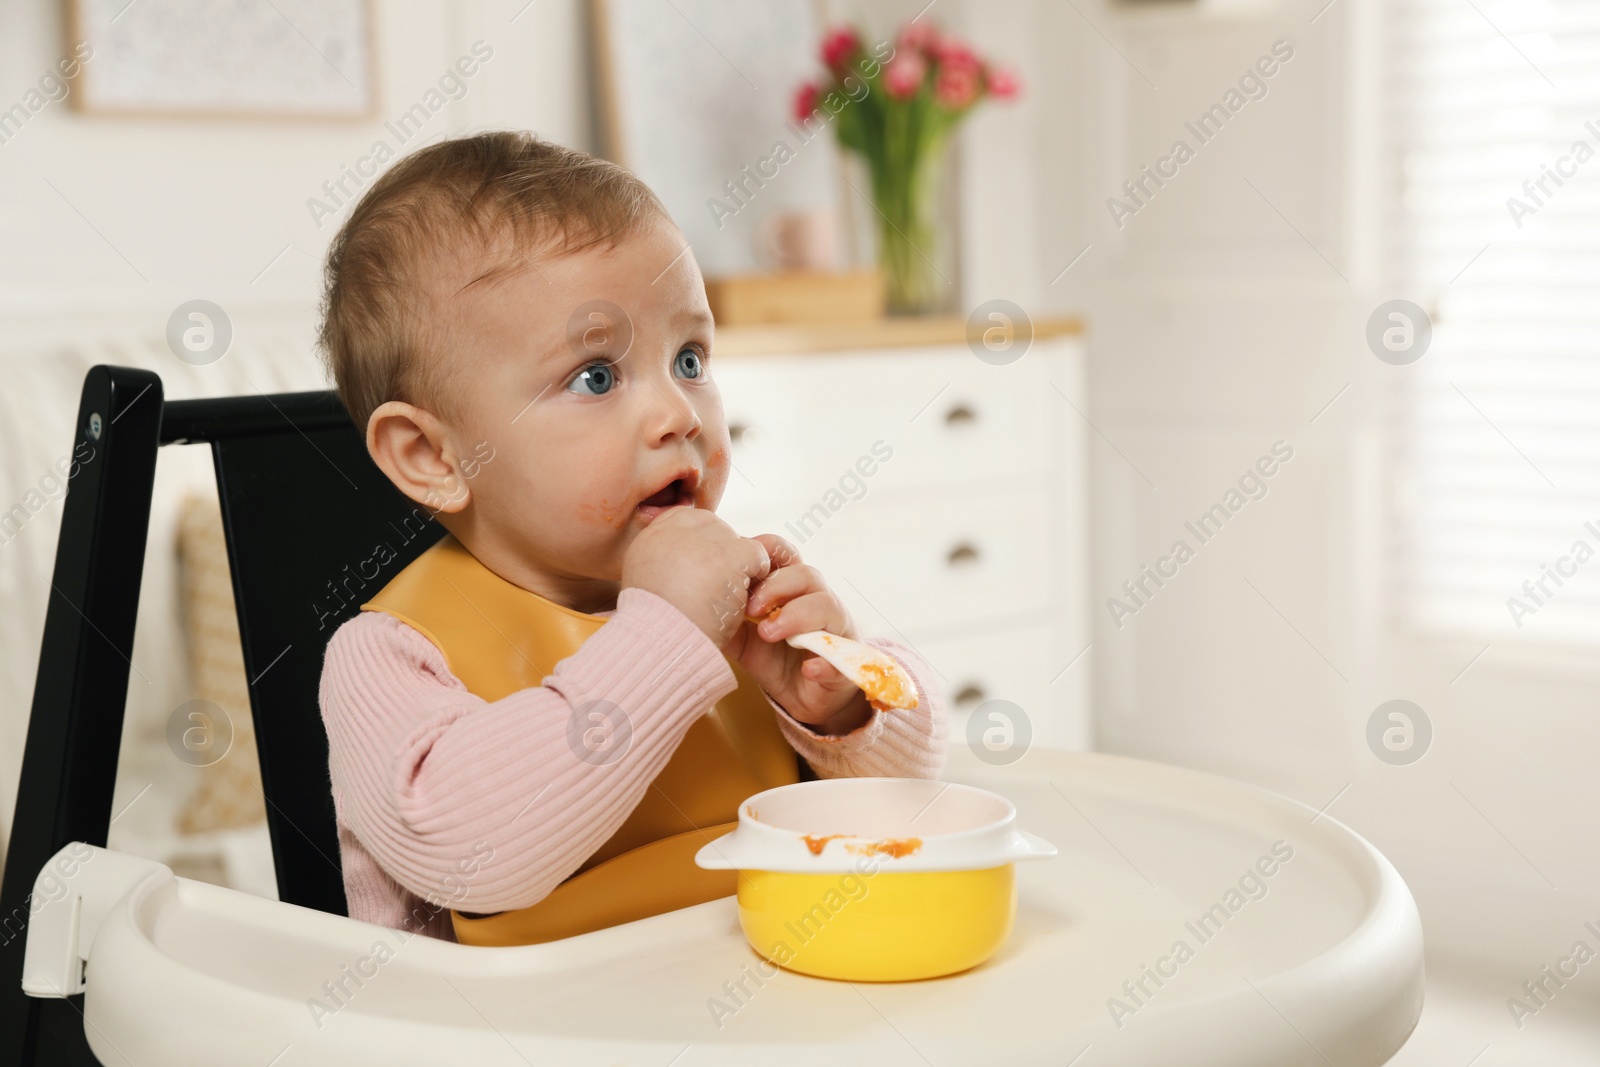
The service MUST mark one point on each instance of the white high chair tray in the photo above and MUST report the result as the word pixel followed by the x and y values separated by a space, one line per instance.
pixel 1318 964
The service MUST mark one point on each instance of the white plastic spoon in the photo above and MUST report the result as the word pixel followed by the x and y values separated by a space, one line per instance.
pixel 880 677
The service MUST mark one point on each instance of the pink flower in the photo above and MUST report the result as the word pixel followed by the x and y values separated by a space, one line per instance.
pixel 956 87
pixel 920 37
pixel 1004 84
pixel 904 74
pixel 838 46
pixel 806 100
pixel 958 55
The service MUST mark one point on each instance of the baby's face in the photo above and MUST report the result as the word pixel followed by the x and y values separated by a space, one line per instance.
pixel 589 377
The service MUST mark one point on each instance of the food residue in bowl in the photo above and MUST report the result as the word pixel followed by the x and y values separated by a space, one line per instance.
pixel 817 844
pixel 895 847
pixel 886 690
pixel 751 809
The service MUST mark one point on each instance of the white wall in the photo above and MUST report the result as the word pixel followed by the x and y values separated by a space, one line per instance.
pixel 202 207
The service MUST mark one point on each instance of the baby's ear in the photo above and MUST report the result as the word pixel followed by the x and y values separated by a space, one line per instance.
pixel 408 445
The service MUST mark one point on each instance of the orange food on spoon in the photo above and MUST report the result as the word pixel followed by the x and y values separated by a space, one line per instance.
pixel 886 686
pixel 885 691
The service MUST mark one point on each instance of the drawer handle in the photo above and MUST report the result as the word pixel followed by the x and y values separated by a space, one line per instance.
pixel 962 554
pixel 960 415
pixel 971 693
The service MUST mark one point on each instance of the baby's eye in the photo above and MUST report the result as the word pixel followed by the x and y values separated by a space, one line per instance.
pixel 687 364
pixel 594 380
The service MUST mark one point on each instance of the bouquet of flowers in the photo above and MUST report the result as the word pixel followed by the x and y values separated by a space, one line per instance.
pixel 896 105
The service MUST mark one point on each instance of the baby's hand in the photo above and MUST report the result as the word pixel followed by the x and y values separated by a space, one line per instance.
pixel 793 598
pixel 696 562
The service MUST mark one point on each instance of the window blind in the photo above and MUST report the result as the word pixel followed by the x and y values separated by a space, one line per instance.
pixel 1492 117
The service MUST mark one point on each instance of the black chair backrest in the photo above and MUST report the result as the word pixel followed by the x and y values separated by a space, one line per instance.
pixel 313 529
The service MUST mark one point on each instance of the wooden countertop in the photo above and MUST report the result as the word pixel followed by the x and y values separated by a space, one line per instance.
pixel 791 338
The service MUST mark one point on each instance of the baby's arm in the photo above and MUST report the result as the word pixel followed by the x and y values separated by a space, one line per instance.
pixel 428 774
pixel 909 743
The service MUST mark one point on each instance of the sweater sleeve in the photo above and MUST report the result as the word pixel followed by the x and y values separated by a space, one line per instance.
pixel 488 806
pixel 910 743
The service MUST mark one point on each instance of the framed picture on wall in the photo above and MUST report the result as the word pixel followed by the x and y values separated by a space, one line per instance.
pixel 697 99
pixel 265 58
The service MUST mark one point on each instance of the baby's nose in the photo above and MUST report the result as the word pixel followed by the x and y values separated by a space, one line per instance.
pixel 672 414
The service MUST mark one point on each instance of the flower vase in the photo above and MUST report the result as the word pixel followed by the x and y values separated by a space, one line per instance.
pixel 909 235
pixel 894 108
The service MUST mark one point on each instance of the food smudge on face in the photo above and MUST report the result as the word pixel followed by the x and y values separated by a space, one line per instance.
pixel 604 513
pixel 719 458
pixel 886 691
pixel 894 847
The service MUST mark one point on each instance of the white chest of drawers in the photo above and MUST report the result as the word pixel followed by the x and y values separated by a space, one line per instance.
pixel 942 497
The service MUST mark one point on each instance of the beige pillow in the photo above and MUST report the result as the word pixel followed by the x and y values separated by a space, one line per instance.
pixel 229 794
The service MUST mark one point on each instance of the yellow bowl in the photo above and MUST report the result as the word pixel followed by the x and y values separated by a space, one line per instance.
pixel 876 879
pixel 898 927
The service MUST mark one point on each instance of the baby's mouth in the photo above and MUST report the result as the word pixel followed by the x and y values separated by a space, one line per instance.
pixel 676 493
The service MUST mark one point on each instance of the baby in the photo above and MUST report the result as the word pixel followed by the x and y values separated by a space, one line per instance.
pixel 536 724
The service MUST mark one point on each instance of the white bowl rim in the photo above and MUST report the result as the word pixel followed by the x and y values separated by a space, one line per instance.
pixel 1009 816
pixel 756 844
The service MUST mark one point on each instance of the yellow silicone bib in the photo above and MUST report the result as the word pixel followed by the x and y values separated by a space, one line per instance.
pixel 499 638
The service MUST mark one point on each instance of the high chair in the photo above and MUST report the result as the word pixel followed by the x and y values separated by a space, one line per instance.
pixel 125 963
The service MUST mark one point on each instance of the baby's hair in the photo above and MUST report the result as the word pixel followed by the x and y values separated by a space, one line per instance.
pixel 486 204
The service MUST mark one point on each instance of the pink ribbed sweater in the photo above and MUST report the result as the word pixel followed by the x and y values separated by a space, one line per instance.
pixel 445 800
